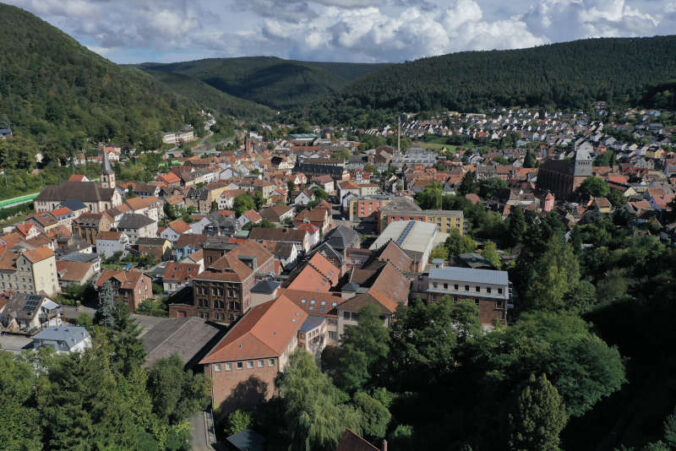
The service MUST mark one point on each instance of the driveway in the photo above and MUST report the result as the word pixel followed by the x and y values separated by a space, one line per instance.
pixel 203 436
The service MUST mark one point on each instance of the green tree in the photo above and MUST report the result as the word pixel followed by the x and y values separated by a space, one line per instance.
pixel 594 186
pixel 516 226
pixel 490 253
pixel 176 393
pixel 314 409
pixel 242 203
pixel 554 275
pixel 423 340
pixel 468 184
pixel 105 315
pixel 616 198
pixel 19 417
pixel 439 252
pixel 578 363
pixel 487 188
pixel 431 197
pixel 363 348
pixel 457 243
pixel 238 421
pixel 538 416
pixel 374 416
pixel 529 161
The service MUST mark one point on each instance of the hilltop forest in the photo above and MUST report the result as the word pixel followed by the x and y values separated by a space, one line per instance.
pixel 58 96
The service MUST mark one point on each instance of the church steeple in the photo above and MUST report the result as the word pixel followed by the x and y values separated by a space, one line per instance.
pixel 107 173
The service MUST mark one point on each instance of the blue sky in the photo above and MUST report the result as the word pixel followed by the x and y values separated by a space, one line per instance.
pixel 134 31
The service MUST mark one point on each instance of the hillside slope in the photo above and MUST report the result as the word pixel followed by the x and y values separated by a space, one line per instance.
pixel 211 97
pixel 277 83
pixel 57 93
pixel 567 75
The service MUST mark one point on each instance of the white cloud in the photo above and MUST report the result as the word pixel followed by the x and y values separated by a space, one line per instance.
pixel 341 30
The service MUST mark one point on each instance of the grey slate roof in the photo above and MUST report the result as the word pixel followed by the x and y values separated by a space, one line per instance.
pixel 470 275
pixel 265 287
pixel 71 335
pixel 106 169
pixel 343 237
pixel 134 221
pixel 74 204
pixel 247 440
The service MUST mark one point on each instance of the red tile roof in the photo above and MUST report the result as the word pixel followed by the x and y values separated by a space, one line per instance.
pixel 39 254
pixel 265 331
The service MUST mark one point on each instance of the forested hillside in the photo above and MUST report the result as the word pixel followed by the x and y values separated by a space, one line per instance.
pixel 56 94
pixel 211 97
pixel 568 75
pixel 274 82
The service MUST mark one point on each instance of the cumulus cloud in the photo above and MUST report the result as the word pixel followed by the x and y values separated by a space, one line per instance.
pixel 562 20
pixel 341 30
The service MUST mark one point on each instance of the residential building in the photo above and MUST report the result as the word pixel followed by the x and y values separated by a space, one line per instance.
pixel 137 226
pixel 366 207
pixel 178 275
pixel 63 339
pixel 175 229
pixel 110 243
pixel 28 313
pixel 29 271
pixel 130 286
pixel 298 238
pixel 160 248
pixel 87 226
pixel 74 273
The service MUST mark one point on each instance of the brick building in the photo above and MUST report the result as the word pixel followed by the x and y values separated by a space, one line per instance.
pixel 244 364
pixel 222 292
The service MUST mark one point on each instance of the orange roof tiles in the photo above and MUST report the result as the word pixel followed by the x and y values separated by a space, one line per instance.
pixel 265 331
pixel 179 226
pixel 180 272
pixel 39 254
pixel 72 271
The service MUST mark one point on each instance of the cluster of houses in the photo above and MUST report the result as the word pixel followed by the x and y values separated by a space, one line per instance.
pixel 294 271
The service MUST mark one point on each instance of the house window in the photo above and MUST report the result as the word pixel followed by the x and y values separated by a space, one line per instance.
pixel 217 368
pixel 478 289
pixel 499 290
pixel 346 315
pixel 455 287
pixel 488 290
pixel 445 286
pixel 249 364
pixel 228 366
pixel 240 365
pixel 466 287
pixel 500 304
pixel 261 363
pixel 271 362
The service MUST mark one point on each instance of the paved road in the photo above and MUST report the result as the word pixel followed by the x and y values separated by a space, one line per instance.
pixel 146 322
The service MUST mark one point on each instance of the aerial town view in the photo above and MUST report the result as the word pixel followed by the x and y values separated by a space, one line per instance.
pixel 337 225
